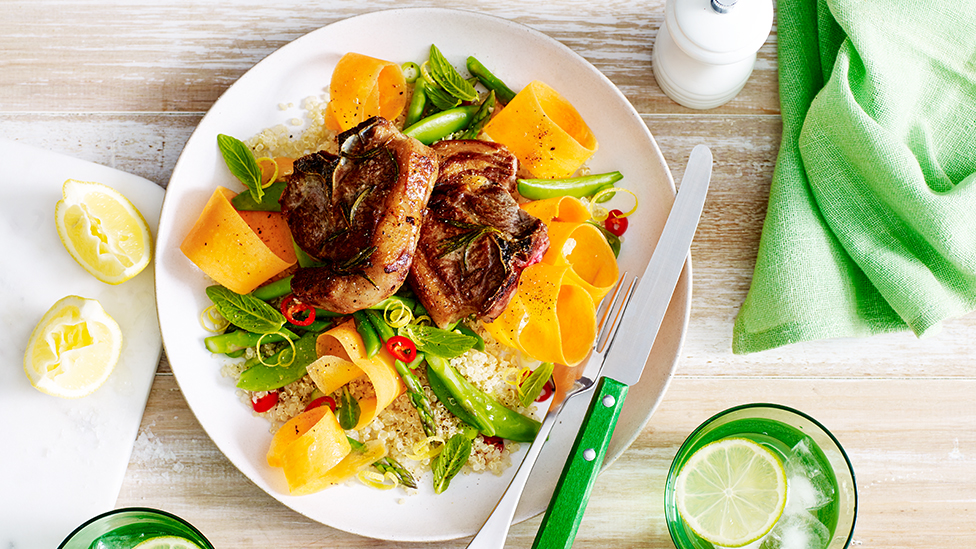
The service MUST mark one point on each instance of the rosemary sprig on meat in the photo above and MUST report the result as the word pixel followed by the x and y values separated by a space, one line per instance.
pixel 472 232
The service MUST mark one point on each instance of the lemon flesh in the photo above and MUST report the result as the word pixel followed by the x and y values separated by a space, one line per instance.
pixel 731 492
pixel 103 231
pixel 73 349
pixel 167 542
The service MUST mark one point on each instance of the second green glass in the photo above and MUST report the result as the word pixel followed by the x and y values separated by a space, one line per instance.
pixel 821 492
pixel 130 527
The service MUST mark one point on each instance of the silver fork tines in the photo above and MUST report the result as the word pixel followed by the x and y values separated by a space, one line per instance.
pixel 494 531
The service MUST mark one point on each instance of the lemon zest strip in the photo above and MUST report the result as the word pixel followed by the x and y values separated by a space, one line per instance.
pixel 397 314
pixel 278 364
pixel 374 479
pixel 212 321
pixel 427 448
pixel 274 175
pixel 597 196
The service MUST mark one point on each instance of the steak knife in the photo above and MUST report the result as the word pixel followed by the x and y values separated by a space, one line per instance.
pixel 626 356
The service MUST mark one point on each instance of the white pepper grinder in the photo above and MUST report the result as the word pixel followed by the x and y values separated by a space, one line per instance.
pixel 706 49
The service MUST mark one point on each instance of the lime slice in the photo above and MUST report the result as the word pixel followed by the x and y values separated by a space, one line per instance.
pixel 167 542
pixel 731 492
pixel 73 349
pixel 103 231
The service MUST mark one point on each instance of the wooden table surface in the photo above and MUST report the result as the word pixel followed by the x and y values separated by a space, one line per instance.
pixel 124 83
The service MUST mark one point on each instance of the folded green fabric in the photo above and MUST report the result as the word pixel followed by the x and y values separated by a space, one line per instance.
pixel 871 225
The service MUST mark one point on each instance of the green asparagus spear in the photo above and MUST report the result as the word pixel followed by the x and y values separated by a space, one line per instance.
pixel 388 465
pixel 416 391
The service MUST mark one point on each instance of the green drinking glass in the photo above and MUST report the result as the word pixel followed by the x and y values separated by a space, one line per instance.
pixel 821 501
pixel 132 527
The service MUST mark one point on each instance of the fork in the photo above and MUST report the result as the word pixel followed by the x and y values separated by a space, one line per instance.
pixel 494 531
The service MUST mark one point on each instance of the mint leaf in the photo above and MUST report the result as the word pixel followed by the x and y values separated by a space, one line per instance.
pixel 448 77
pixel 532 387
pixel 347 410
pixel 431 340
pixel 246 311
pixel 241 162
pixel 450 461
pixel 440 99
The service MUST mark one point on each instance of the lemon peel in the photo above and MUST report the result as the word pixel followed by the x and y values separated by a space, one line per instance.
pixel 103 231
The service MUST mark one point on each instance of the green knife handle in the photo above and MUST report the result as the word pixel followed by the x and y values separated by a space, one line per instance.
pixel 565 512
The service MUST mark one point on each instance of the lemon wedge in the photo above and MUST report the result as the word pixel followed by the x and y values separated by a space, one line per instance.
pixel 167 542
pixel 731 492
pixel 103 231
pixel 73 349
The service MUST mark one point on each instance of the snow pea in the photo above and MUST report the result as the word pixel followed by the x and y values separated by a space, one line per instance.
pixel 489 416
pixel 261 377
pixel 587 185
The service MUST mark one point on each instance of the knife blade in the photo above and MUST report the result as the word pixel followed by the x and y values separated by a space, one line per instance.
pixel 627 355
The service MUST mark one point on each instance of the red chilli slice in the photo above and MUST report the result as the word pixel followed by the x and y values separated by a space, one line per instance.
pixel 291 306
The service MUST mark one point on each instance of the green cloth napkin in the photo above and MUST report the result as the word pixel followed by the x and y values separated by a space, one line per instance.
pixel 871 225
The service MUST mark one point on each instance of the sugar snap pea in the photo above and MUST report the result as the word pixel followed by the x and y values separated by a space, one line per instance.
pixel 587 185
pixel 440 125
pixel 415 111
pixel 274 290
pixel 384 330
pixel 490 416
pixel 240 339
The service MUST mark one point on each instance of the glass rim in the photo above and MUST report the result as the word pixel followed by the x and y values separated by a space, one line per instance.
pixel 690 439
pixel 112 512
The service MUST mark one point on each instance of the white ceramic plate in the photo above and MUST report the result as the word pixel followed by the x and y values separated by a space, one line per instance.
pixel 516 54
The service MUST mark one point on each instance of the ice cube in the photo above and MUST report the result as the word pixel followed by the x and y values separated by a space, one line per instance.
pixel 797 530
pixel 808 487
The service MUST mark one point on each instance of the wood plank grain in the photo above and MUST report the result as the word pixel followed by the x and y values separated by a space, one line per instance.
pixel 180 55
pixel 911 444
pixel 144 144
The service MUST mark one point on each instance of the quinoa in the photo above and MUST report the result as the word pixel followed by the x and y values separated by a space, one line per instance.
pixel 301 136
pixel 292 141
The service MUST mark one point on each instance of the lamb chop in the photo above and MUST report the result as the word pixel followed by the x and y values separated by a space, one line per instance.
pixel 475 240
pixel 359 214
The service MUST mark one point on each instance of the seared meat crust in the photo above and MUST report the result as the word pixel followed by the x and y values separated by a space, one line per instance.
pixel 476 240
pixel 464 158
pixel 360 214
